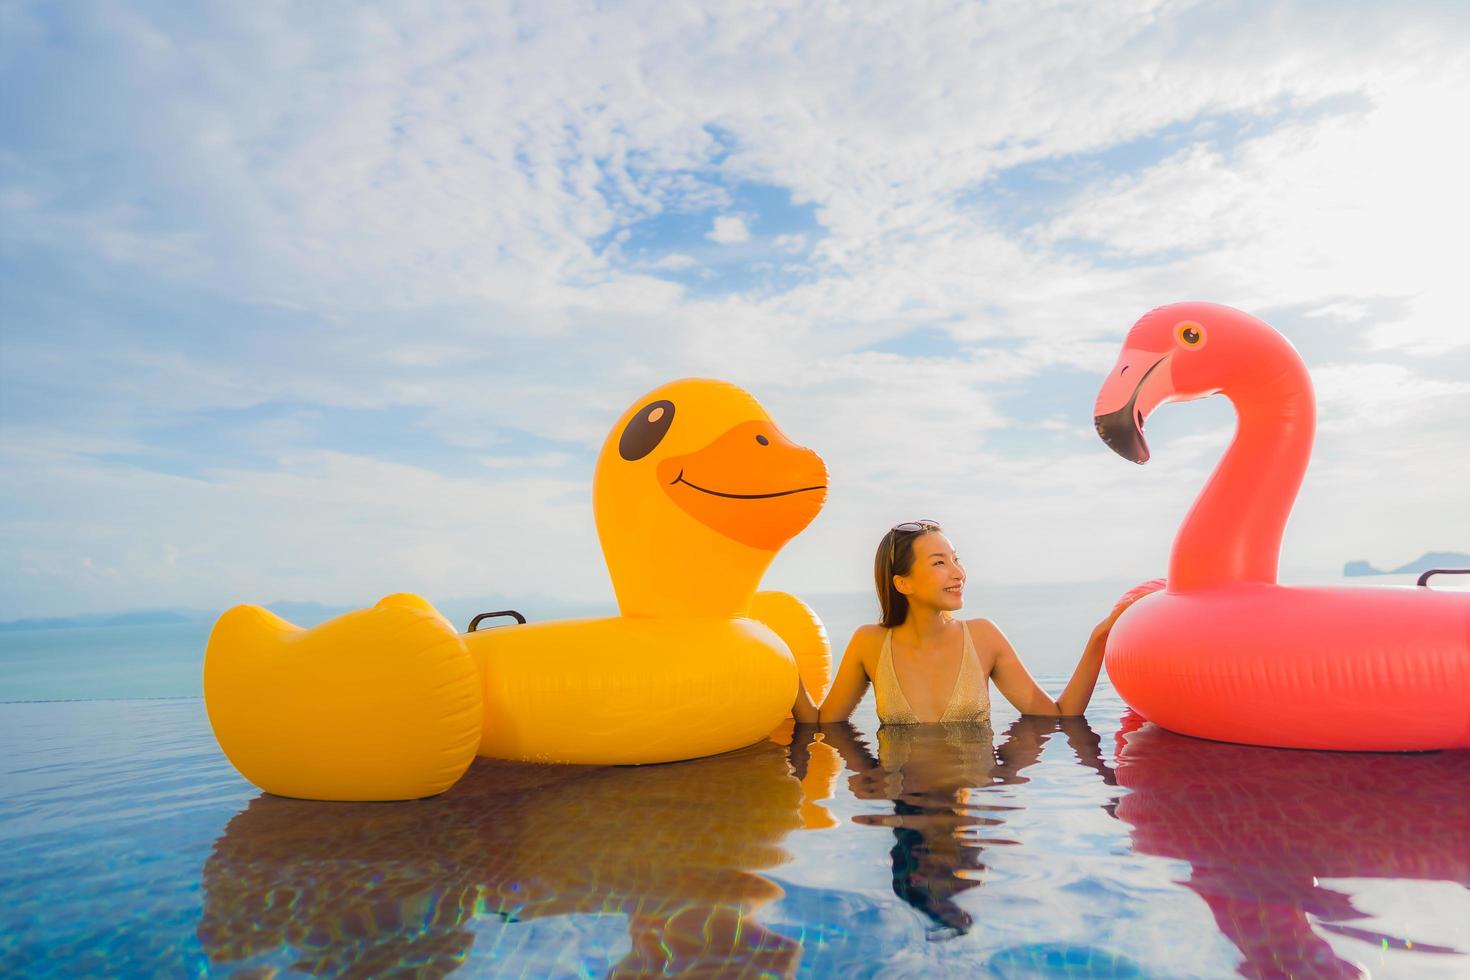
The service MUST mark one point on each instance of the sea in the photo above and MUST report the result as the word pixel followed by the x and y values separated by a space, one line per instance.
pixel 1080 848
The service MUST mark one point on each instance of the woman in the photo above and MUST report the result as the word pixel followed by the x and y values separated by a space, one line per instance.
pixel 927 666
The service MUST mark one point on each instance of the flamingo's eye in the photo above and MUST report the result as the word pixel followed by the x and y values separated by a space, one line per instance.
pixel 1189 334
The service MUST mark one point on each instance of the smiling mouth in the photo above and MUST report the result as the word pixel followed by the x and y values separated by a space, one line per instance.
pixel 742 496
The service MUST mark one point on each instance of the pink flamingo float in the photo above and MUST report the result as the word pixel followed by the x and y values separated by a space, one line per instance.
pixel 1224 652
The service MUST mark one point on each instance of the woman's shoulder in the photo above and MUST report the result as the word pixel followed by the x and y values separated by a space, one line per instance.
pixel 982 629
pixel 989 640
pixel 867 640
pixel 865 648
pixel 979 624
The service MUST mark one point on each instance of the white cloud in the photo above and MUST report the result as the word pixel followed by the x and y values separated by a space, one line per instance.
pixel 1334 211
pixel 539 461
pixel 375 211
pixel 676 262
pixel 327 526
pixel 729 230
pixel 1384 396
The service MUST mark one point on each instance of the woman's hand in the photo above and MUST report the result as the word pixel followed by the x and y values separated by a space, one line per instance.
pixel 1075 698
pixel 1129 598
pixel 1138 592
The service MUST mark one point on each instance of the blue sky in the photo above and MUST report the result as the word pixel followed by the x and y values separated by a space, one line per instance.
pixel 323 305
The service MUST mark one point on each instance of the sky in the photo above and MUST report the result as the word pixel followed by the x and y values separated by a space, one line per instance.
pixel 323 302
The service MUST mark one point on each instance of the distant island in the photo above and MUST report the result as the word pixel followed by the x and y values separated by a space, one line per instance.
pixel 1426 561
pixel 301 613
pixel 146 617
pixel 307 614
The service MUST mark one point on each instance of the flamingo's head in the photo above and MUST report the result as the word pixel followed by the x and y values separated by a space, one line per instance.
pixel 1175 353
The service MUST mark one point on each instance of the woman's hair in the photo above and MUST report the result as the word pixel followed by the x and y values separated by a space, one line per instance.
pixel 896 557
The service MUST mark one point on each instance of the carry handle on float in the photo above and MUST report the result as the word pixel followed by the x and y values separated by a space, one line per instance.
pixel 475 623
pixel 1424 579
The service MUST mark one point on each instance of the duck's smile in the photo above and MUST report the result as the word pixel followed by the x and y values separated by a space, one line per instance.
pixel 769 487
pixel 742 496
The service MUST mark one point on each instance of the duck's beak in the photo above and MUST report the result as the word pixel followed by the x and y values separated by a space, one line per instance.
pixel 1138 383
pixel 751 484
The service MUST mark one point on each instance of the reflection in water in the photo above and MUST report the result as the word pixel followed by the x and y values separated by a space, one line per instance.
pixel 368 889
pixel 1261 827
pixel 1264 830
pixel 927 771
pixel 940 825
pixel 677 850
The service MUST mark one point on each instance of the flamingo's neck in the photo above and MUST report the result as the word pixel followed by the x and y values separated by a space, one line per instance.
pixel 1233 531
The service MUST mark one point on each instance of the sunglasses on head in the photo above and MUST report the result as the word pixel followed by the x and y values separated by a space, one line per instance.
pixel 907 527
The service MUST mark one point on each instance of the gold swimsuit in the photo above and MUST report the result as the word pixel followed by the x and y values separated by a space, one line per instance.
pixel 968 702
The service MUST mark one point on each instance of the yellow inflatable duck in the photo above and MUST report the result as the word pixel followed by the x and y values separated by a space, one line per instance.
pixel 379 704
pixel 696 489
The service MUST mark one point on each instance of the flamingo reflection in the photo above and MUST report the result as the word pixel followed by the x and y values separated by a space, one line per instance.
pixel 1263 830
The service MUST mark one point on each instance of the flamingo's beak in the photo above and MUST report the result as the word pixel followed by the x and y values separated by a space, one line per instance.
pixel 1139 382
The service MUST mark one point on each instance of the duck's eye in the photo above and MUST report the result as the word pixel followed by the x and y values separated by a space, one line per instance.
pixel 1189 334
pixel 646 430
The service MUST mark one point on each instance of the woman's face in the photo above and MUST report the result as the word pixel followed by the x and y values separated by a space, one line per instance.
pixel 936 578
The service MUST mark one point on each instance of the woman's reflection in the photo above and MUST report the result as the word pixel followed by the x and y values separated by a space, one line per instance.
pixel 940 822
pixel 372 889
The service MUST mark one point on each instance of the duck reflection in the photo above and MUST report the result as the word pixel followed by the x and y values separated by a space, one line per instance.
pixel 941 825
pixel 1261 829
pixel 391 888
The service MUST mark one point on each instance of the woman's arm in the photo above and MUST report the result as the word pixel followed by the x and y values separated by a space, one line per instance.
pixel 1078 693
pixel 1012 678
pixel 1020 689
pixel 847 687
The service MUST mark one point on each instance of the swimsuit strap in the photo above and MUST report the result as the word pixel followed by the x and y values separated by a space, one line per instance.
pixel 971 698
pixel 893 707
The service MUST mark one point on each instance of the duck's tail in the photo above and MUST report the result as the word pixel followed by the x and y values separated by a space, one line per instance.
pixel 378 704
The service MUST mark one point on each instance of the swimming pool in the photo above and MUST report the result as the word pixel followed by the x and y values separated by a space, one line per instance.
pixel 1027 848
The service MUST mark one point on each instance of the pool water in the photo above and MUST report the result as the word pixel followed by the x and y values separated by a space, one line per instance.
pixel 1025 848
